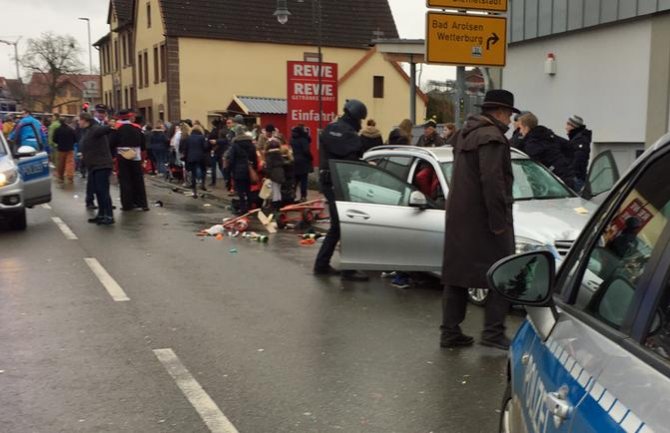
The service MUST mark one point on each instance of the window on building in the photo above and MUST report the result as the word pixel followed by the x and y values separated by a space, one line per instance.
pixel 124 54
pixel 149 15
pixel 146 68
pixel 127 97
pixel 116 55
pixel 156 65
pixel 378 87
pixel 109 58
pixel 132 96
pixel 163 62
pixel 140 71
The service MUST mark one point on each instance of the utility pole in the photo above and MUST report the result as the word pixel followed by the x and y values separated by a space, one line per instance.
pixel 90 53
pixel 16 55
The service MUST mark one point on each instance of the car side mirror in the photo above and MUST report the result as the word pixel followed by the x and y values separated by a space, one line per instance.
pixel 26 152
pixel 525 279
pixel 418 199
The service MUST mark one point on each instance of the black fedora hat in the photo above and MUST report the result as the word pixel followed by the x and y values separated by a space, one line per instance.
pixel 499 99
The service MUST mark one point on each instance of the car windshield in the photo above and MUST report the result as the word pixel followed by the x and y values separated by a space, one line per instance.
pixel 3 146
pixel 531 181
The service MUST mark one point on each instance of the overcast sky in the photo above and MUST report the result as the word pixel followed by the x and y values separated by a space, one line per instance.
pixel 30 18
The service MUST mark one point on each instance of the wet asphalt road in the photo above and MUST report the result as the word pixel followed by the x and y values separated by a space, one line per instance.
pixel 275 348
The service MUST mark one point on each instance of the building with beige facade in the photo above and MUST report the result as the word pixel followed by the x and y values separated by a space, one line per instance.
pixel 173 60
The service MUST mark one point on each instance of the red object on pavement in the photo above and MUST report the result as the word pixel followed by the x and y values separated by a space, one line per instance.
pixel 308 212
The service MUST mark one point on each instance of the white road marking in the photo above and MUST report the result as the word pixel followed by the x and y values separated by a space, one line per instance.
pixel 201 402
pixel 69 234
pixel 46 206
pixel 113 288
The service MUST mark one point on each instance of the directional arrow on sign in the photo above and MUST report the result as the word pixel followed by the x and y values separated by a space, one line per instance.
pixel 492 41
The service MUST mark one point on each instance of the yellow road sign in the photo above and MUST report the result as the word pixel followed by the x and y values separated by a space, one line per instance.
pixel 480 5
pixel 466 39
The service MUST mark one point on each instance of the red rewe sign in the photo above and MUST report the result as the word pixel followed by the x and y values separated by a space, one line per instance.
pixel 303 98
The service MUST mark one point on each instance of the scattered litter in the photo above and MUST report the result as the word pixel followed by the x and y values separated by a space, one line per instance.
pixel 307 413
pixel 158 203
pixel 215 230
pixel 76 197
pixel 206 205
pixel 219 237
pixel 161 421
pixel 261 350
pixel 233 251
pixel 2 371
pixel 175 189
pixel 307 242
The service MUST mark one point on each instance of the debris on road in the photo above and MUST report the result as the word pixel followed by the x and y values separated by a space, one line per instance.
pixel 158 203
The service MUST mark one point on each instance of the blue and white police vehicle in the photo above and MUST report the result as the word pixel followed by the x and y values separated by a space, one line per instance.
pixel 594 353
pixel 25 181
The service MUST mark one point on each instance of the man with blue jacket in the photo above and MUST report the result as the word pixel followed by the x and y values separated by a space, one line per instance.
pixel 28 132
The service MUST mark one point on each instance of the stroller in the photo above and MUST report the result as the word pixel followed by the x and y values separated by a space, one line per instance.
pixel 175 168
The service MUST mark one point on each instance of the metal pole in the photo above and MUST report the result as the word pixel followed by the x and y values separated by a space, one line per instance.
pixel 412 92
pixel 317 4
pixel 16 60
pixel 460 96
pixel 90 51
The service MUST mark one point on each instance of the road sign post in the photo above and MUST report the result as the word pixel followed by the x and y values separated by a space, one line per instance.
pixel 466 39
pixel 480 5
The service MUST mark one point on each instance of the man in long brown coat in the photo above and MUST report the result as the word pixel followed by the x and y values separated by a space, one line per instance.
pixel 479 229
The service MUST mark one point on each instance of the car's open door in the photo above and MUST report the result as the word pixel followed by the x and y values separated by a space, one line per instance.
pixel 35 173
pixel 602 177
pixel 380 230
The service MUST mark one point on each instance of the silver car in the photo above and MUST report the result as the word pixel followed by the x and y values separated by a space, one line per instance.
pixel 25 181
pixel 387 223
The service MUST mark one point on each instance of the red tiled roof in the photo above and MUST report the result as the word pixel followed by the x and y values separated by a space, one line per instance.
pixel 346 23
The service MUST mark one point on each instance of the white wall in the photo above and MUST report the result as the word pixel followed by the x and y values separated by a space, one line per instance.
pixel 603 76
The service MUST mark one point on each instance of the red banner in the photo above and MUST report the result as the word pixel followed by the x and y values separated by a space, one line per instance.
pixel 303 98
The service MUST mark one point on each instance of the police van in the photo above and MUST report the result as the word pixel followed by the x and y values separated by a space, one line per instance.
pixel 25 181
pixel 594 354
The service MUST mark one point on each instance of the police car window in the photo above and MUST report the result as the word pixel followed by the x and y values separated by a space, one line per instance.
pixel 623 249
pixel 368 184
pixel 658 336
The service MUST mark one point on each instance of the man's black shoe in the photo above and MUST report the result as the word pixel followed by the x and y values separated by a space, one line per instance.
pixel 91 207
pixel 458 341
pixel 106 222
pixel 326 271
pixel 94 220
pixel 355 276
pixel 501 343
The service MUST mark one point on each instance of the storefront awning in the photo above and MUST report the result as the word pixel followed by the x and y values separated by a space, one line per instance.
pixel 251 105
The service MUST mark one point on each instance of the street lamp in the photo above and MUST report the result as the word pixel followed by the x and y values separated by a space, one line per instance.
pixel 90 55
pixel 282 13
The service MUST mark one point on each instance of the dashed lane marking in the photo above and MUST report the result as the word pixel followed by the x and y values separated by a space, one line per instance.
pixel 113 288
pixel 67 232
pixel 210 413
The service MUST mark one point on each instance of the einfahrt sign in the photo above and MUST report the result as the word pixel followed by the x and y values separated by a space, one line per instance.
pixel 303 97
pixel 466 39
pixel 480 5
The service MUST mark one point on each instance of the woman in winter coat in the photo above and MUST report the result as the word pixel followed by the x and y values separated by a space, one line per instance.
pixel 371 137
pixel 274 168
pixel 159 148
pixel 243 160
pixel 402 134
pixel 301 144
pixel 196 150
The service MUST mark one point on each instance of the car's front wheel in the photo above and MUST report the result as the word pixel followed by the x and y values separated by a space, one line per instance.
pixel 506 411
pixel 478 296
pixel 19 220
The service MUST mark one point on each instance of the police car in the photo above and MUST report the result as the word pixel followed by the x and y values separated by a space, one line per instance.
pixel 594 354
pixel 25 181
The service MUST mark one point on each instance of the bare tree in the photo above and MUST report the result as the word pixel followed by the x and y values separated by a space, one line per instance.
pixel 53 56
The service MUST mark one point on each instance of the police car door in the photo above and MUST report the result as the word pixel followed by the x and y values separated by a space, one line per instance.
pixel 590 359
pixel 35 173
pixel 379 228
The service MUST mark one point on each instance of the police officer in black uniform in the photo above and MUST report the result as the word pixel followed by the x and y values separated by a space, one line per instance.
pixel 340 140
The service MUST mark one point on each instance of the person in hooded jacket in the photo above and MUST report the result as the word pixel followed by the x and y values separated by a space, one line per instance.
pixel 243 159
pixel 370 136
pixel 543 146
pixel 301 143
pixel 196 151
pixel 479 220
pixel 580 144
pixel 339 141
